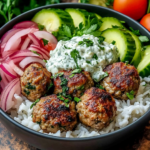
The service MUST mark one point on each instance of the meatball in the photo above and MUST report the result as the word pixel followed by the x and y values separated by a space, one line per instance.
pixel 35 81
pixel 76 85
pixel 97 108
pixel 122 79
pixel 54 115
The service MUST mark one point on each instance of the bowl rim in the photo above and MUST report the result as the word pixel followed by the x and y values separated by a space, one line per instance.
pixel 19 125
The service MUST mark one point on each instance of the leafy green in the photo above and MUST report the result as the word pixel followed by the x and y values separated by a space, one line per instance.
pixel 67 32
pixel 41 27
pixel 34 103
pixel 45 60
pixel 136 32
pixel 51 85
pixel 76 99
pixel 109 2
pixel 122 21
pixel 130 95
pixel 101 87
pixel 144 39
pixel 101 39
pixel 45 41
pixel 84 1
pixel 75 55
pixel 113 42
pixel 35 52
pixel 81 87
pixel 148 10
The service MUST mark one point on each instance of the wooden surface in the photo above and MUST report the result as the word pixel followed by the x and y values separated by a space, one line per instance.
pixel 8 141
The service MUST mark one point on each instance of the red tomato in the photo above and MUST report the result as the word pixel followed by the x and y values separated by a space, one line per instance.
pixel 132 8
pixel 49 46
pixel 145 21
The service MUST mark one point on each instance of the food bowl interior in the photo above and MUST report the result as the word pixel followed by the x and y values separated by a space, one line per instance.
pixel 104 12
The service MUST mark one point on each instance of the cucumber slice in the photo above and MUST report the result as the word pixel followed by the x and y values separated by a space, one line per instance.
pixel 108 22
pixel 124 42
pixel 146 51
pixel 80 15
pixel 52 18
pixel 137 57
pixel 144 66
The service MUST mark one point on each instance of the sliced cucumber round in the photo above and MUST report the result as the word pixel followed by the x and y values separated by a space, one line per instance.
pixel 137 57
pixel 80 15
pixel 144 66
pixel 146 51
pixel 123 41
pixel 108 22
pixel 52 18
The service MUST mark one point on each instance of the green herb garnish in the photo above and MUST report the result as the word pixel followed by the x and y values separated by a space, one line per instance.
pixel 86 41
pixel 41 27
pixel 109 2
pixel 76 71
pixel 130 95
pixel 101 39
pixel 113 42
pixel 34 103
pixel 84 1
pixel 81 87
pixel 56 75
pixel 38 122
pixel 122 21
pixel 126 62
pixel 27 92
pixel 144 39
pixel 105 75
pixel 101 87
pixel 45 60
pixel 51 84
pixel 66 47
pixel 45 42
pixel 76 99
pixel 136 32
pixel 75 55
pixel 29 86
pixel 35 52
pixel 95 56
pixel 88 62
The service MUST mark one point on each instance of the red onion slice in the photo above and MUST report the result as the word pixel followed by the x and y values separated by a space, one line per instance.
pixel 8 93
pixel 46 35
pixel 34 39
pixel 26 61
pixel 25 44
pixel 16 36
pixel 25 24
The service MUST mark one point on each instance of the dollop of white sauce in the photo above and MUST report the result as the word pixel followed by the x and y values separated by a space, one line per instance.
pixel 60 58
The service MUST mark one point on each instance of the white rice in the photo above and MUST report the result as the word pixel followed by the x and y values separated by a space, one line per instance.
pixel 127 112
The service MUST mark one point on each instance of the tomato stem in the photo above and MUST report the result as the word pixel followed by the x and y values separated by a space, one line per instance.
pixel 148 9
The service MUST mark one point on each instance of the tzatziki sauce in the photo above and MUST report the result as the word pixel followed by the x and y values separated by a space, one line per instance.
pixel 92 58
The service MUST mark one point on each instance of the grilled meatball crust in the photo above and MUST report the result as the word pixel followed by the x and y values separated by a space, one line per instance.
pixel 35 81
pixel 122 79
pixel 97 108
pixel 76 84
pixel 53 115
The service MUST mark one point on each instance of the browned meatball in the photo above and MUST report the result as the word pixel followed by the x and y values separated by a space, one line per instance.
pixel 54 115
pixel 76 85
pixel 122 79
pixel 35 81
pixel 97 108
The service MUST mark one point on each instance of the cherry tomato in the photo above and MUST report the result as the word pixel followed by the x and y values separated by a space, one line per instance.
pixel 49 46
pixel 145 21
pixel 132 8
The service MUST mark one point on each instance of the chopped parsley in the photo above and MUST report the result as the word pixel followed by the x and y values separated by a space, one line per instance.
pixel 143 39
pixel 81 87
pixel 41 27
pixel 113 42
pixel 95 56
pixel 29 86
pixel 126 62
pixel 76 99
pixel 105 75
pixel 45 60
pixel 0 78
pixel 51 84
pixel 76 71
pixel 86 41
pixel 56 75
pixel 45 42
pixel 130 95
pixel 34 103
pixel 88 62
pixel 27 92
pixel 66 101
pixel 35 52
pixel 136 32
pixel 102 48
pixel 75 55
pixel 71 76
pixel 101 39
pixel 109 2
pixel 64 81
pixel 66 47
pixel 122 21
pixel 38 122
pixel 101 87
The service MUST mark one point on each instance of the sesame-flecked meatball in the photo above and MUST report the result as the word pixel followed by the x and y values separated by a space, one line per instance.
pixel 97 108
pixel 76 85
pixel 122 79
pixel 35 81
pixel 54 115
